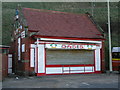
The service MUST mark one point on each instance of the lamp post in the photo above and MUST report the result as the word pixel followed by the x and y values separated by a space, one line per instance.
pixel 92 7
pixel 109 35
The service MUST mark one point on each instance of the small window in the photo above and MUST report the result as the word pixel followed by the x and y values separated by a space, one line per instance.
pixel 23 47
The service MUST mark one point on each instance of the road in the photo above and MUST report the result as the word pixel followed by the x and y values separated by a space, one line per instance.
pixel 104 80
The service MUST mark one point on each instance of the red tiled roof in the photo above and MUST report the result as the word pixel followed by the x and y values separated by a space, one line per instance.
pixel 60 24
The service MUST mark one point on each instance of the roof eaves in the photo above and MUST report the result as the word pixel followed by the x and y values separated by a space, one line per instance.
pixel 57 37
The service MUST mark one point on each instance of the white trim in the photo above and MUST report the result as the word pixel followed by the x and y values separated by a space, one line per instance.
pixel 88 41
pixel 63 70
pixel 32 57
pixel 23 47
pixel 32 45
pixel 54 70
pixel 41 59
pixel 19 46
pixel 97 60
pixel 4 46
pixel 36 54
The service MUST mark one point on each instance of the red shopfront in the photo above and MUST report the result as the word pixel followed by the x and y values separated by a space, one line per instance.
pixel 52 58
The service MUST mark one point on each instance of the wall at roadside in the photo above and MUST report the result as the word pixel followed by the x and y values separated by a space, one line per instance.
pixel 3 66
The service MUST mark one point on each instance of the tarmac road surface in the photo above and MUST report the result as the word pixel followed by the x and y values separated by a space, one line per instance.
pixel 104 80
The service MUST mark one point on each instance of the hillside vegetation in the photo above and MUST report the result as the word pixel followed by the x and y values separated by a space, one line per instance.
pixel 99 14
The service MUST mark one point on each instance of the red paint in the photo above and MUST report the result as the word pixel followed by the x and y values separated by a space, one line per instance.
pixel 75 46
pixel 69 65
pixel 56 42
pixel 98 72
pixel 72 46
pixel 116 65
pixel 81 47
pixel 64 46
pixel 32 30
pixel 116 61
pixel 102 57
pixel 69 46
pixel 69 38
pixel 4 48
pixel 40 74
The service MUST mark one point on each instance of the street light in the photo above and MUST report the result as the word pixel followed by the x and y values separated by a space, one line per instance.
pixel 109 34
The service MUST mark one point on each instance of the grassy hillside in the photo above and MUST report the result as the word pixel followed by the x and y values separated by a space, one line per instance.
pixel 100 16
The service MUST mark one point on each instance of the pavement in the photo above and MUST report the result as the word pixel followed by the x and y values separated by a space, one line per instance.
pixel 104 80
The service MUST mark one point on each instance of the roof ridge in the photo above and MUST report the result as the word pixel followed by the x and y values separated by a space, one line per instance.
pixel 52 11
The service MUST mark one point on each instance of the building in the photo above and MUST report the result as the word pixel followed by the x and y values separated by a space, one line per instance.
pixel 49 42
pixel 4 49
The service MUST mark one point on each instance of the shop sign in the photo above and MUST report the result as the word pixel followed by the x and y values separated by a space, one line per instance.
pixel 70 46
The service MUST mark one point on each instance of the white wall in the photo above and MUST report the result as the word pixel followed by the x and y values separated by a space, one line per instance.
pixel 19 50
pixel 97 60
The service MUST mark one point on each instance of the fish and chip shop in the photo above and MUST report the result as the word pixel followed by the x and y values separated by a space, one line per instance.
pixel 56 43
pixel 52 58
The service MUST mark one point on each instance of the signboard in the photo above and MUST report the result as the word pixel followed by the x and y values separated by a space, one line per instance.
pixel 23 34
pixel 71 46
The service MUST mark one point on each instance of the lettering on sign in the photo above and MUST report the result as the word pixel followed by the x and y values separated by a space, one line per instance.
pixel 70 46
